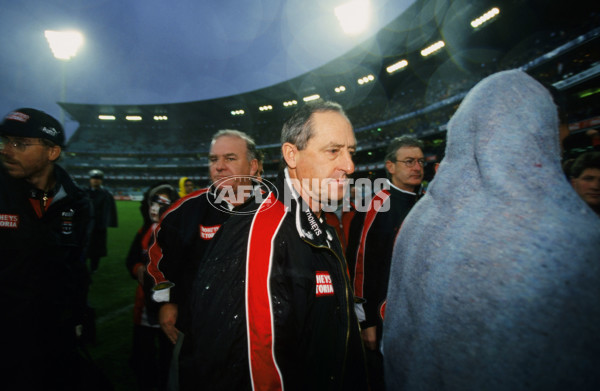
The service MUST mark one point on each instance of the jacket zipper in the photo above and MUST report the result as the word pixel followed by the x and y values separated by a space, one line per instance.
pixel 347 282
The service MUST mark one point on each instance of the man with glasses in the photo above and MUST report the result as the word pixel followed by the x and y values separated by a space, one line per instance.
pixel 369 255
pixel 44 227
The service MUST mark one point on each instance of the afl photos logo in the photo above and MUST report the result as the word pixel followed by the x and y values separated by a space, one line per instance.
pixel 238 189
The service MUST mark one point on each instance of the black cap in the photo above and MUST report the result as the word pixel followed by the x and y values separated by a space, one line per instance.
pixel 96 174
pixel 33 123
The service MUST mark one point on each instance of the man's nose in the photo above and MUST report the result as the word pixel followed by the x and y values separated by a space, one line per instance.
pixel 347 164
pixel 220 165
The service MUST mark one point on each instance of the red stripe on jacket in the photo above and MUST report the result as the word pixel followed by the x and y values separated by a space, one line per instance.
pixel 359 268
pixel 264 373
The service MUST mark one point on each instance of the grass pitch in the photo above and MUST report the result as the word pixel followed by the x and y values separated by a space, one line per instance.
pixel 111 295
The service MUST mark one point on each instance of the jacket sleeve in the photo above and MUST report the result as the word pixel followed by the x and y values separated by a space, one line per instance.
pixel 165 258
pixel 378 245
pixel 373 259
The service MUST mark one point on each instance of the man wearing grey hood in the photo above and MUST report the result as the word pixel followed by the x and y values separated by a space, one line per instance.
pixel 495 277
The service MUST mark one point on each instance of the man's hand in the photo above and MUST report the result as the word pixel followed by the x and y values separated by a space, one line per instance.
pixel 167 316
pixel 369 336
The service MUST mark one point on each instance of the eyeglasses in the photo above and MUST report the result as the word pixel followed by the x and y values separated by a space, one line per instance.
pixel 18 145
pixel 411 162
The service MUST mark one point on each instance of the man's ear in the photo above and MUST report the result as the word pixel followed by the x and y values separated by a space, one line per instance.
pixel 290 154
pixel 390 166
pixel 54 153
pixel 254 167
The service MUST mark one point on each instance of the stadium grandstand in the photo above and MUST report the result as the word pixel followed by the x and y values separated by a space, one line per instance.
pixel 407 79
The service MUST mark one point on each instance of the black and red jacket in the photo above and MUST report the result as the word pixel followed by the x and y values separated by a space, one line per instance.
pixel 371 252
pixel 272 304
pixel 182 237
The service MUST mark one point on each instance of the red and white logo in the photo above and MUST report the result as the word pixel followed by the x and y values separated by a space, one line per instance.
pixel 324 284
pixel 18 116
pixel 207 233
pixel 9 221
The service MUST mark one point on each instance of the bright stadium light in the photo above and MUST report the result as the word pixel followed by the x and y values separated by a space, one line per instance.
pixel 354 17
pixel 290 103
pixel 160 118
pixel 485 17
pixel 311 97
pixel 397 66
pixel 432 48
pixel 366 79
pixel 133 117
pixel 105 117
pixel 340 89
pixel 64 44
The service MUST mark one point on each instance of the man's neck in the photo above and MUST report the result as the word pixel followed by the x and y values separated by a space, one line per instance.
pixel 315 206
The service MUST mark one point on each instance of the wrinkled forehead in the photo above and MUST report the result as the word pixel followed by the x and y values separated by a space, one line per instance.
pixel 228 145
pixel 332 127
pixel 409 152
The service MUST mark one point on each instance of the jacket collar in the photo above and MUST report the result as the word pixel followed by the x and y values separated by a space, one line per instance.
pixel 311 228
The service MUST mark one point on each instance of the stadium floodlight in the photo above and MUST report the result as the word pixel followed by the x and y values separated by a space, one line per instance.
pixel 104 117
pixel 160 118
pixel 311 97
pixel 237 112
pixel 290 103
pixel 365 79
pixel 397 66
pixel 64 44
pixel 432 48
pixel 266 108
pixel 485 17
pixel 340 89
pixel 354 16
pixel 133 117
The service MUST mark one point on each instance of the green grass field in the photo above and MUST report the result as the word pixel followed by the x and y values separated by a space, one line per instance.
pixel 112 295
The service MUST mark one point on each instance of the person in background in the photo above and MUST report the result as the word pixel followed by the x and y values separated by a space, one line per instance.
pixel 185 232
pixel 186 186
pixel 272 304
pixel 105 215
pixel 152 350
pixel 405 166
pixel 44 227
pixel 585 178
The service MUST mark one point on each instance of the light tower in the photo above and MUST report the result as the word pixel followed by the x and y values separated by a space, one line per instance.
pixel 64 46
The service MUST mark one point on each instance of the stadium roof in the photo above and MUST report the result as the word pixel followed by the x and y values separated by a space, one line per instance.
pixel 519 24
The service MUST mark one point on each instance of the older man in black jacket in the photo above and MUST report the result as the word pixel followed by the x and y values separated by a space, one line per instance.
pixel 272 302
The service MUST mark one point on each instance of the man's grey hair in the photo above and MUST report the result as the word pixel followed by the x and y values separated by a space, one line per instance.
pixel 251 152
pixel 297 130
pixel 401 142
